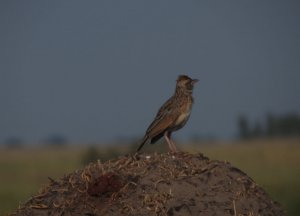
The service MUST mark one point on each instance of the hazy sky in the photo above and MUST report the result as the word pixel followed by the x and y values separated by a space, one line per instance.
pixel 99 70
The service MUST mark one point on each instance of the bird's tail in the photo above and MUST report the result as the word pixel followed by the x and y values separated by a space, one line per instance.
pixel 142 143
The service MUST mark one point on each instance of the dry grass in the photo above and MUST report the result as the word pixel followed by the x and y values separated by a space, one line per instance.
pixel 273 164
pixel 155 184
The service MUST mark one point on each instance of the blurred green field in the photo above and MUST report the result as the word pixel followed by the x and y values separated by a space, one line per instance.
pixel 274 164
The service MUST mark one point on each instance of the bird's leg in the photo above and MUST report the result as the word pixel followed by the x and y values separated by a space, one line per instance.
pixel 167 135
pixel 174 146
pixel 171 145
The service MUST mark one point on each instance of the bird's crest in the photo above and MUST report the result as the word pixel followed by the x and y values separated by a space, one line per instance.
pixel 183 77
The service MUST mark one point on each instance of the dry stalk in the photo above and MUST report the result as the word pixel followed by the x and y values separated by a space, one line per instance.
pixel 234 208
pixel 39 206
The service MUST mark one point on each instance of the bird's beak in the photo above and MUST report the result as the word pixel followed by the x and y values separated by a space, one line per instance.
pixel 194 81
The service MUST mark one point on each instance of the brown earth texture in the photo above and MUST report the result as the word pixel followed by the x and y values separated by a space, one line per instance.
pixel 154 184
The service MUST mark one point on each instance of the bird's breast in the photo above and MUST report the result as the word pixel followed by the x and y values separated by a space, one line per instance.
pixel 184 116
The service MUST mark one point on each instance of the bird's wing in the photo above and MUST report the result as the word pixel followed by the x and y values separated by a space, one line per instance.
pixel 165 117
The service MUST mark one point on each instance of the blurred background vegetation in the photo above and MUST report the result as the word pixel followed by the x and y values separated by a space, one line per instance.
pixel 269 152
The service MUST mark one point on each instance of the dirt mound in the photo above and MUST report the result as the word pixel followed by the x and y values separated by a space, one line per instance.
pixel 156 184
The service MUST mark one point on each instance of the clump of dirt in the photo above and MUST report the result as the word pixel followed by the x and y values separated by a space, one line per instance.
pixel 156 184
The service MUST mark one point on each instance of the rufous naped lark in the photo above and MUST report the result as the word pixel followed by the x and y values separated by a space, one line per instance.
pixel 173 114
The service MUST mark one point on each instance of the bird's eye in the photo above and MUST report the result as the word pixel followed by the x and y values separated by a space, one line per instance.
pixel 189 85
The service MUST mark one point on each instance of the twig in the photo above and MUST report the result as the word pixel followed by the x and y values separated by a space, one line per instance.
pixel 234 209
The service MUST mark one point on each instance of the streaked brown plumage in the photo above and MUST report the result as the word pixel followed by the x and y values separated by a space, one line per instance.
pixel 173 114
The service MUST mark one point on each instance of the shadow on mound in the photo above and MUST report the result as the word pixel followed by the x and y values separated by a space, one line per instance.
pixel 156 184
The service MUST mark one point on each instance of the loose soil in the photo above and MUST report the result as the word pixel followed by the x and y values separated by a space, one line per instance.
pixel 156 184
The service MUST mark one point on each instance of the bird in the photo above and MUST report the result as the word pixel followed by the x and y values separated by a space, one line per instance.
pixel 172 115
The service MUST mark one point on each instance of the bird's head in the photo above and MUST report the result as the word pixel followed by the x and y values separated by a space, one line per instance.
pixel 186 82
